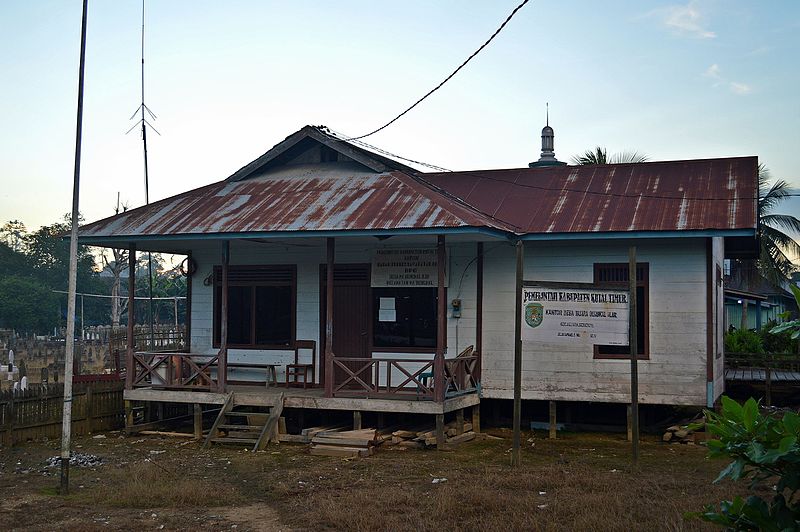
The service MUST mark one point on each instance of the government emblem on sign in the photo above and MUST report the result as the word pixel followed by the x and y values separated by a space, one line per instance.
pixel 533 314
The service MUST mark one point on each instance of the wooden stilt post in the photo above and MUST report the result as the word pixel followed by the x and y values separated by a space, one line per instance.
pixel 517 422
pixel 357 420
pixel 459 422
pixel 441 324
pixel 552 420
pixel 198 421
pixel 634 357
pixel 130 369
pixel 629 423
pixel 440 431
pixel 330 255
pixel 222 362
pixel 128 416
pixel 476 419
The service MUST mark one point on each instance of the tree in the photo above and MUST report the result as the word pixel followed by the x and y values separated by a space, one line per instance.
pixel 116 267
pixel 773 261
pixel 13 234
pixel 599 155
pixel 26 305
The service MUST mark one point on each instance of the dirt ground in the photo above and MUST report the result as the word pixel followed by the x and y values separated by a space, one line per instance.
pixel 578 482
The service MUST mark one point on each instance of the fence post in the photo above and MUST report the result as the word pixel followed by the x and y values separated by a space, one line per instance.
pixel 89 408
pixel 11 414
pixel 768 382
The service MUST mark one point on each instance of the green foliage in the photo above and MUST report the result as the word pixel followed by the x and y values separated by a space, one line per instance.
pixel 599 155
pixel 780 342
pixel 791 327
pixel 743 341
pixel 26 305
pixel 765 451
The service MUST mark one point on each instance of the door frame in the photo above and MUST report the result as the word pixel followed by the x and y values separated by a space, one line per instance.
pixel 322 314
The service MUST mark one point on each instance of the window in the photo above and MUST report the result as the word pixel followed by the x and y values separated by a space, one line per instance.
pixel 261 306
pixel 412 325
pixel 616 275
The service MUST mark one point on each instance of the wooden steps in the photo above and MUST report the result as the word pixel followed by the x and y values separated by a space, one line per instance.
pixel 254 429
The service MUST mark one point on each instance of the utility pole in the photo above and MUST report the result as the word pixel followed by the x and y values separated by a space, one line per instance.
pixel 66 429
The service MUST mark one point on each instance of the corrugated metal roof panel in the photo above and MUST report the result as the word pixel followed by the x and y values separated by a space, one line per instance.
pixel 659 196
pixel 296 199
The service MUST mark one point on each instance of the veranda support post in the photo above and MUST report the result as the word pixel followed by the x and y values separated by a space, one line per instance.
pixel 222 361
pixel 330 253
pixel 441 324
pixel 131 316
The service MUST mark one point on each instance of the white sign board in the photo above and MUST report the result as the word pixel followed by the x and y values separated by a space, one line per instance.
pixel 575 316
pixel 405 268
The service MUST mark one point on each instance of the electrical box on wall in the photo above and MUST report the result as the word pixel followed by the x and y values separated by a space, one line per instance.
pixel 456 306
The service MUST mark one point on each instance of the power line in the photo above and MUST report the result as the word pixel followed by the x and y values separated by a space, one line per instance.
pixel 342 137
pixel 437 87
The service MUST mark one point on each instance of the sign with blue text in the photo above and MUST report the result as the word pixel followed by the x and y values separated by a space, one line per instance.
pixel 575 316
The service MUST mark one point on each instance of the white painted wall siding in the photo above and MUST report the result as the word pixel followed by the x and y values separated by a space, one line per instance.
pixel 676 370
pixel 674 374
pixel 718 257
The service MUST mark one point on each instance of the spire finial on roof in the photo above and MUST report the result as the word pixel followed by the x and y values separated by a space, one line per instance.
pixel 548 157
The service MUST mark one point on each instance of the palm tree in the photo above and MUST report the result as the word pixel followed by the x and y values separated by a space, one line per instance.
pixel 599 155
pixel 776 246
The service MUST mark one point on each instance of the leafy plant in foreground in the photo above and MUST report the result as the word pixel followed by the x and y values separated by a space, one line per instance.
pixel 765 450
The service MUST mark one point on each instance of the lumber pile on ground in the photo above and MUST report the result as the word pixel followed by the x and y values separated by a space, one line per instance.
pixel 685 434
pixel 426 436
pixel 345 443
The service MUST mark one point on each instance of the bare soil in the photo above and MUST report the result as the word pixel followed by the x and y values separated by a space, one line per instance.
pixel 578 482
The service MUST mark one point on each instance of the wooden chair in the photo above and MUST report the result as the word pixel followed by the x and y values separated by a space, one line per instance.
pixel 297 370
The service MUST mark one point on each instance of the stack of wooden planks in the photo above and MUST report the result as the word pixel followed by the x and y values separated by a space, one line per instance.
pixel 422 437
pixel 345 443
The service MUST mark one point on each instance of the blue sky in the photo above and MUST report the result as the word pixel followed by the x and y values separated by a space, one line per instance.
pixel 228 80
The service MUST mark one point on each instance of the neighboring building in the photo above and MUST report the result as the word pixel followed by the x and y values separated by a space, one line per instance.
pixel 751 301
pixel 316 201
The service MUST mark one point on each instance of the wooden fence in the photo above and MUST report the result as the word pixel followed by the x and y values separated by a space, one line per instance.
pixel 37 411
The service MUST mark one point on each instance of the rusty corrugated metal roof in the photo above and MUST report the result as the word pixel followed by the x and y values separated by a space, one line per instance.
pixel 719 194
pixel 296 198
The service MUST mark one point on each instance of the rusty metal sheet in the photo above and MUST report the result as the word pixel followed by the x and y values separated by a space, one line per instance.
pixel 301 200
pixel 717 194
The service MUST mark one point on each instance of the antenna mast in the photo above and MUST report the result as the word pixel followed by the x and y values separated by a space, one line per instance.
pixel 145 111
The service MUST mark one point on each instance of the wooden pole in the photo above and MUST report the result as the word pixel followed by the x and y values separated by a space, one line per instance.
pixel 479 312
pixel 66 428
pixel 129 372
pixel 222 363
pixel 517 422
pixel 330 245
pixel 634 356
pixel 441 324
pixel 553 420
pixel 187 325
pixel 198 421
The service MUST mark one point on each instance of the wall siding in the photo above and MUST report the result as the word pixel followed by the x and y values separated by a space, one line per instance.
pixel 676 370
pixel 675 373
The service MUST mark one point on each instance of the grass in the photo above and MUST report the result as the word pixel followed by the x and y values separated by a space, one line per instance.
pixel 578 482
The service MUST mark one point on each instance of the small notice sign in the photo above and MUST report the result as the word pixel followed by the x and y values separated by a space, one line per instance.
pixel 575 316
pixel 405 268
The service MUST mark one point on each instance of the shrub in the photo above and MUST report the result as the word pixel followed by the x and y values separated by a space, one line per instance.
pixel 743 341
pixel 764 449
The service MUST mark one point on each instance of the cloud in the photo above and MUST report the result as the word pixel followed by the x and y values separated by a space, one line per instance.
pixel 685 20
pixel 740 88
pixel 714 72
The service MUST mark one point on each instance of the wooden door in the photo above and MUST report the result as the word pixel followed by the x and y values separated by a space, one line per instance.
pixel 352 318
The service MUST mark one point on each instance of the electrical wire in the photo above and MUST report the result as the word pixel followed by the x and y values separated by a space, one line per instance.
pixel 453 73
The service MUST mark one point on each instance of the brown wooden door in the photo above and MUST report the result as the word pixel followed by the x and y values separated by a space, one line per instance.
pixel 352 318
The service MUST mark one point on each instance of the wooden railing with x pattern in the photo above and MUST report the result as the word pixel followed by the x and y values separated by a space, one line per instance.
pixel 403 377
pixel 186 371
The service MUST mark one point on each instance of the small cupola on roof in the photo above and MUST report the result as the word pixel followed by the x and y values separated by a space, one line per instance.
pixel 548 157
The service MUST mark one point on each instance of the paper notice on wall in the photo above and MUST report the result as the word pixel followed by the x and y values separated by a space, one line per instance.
pixel 387 315
pixel 387 303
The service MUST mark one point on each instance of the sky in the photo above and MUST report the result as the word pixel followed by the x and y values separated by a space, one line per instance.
pixel 228 80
